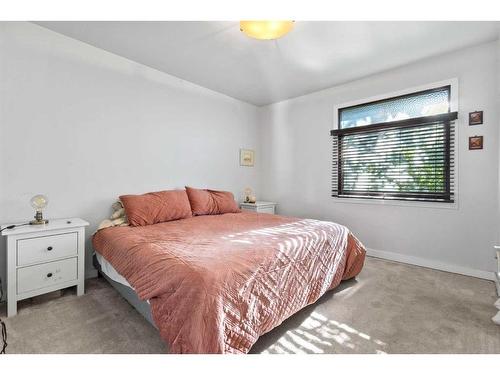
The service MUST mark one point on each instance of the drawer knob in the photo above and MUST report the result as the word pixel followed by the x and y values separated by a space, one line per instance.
pixel 49 274
pixel 49 248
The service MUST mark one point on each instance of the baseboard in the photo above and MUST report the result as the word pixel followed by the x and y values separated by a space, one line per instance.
pixel 408 259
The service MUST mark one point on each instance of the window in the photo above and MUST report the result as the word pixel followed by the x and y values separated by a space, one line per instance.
pixel 397 148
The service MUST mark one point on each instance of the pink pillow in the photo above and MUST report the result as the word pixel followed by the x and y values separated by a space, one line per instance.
pixel 211 202
pixel 157 207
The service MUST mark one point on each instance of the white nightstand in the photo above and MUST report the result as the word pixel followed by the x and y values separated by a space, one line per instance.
pixel 44 258
pixel 259 206
pixel 497 274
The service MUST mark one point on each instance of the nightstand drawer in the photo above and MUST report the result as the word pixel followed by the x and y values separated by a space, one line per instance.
pixel 46 275
pixel 253 209
pixel 266 210
pixel 44 249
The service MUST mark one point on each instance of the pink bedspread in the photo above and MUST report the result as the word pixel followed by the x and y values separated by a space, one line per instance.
pixel 218 282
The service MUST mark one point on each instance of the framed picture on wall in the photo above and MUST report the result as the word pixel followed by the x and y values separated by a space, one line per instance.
pixel 476 118
pixel 246 157
pixel 476 142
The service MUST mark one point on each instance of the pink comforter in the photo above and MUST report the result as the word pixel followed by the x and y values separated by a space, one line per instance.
pixel 216 283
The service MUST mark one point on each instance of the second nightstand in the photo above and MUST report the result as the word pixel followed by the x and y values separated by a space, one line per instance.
pixel 44 258
pixel 259 206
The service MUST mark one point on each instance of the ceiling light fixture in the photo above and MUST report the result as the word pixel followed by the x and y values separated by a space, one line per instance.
pixel 266 30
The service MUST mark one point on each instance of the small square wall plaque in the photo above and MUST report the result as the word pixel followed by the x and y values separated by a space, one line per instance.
pixel 246 157
pixel 476 142
pixel 476 118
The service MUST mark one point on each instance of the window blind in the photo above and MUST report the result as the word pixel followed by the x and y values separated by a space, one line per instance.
pixel 410 159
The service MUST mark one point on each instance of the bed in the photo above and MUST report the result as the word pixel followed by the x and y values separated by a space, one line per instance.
pixel 215 283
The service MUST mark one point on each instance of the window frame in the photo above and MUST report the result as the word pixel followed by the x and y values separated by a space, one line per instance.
pixel 453 107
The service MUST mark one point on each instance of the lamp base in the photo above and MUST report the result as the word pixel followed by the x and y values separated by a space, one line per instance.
pixel 38 222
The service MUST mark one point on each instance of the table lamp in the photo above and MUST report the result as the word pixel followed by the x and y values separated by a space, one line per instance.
pixel 39 202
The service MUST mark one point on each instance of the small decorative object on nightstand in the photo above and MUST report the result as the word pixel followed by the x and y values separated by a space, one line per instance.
pixel 44 258
pixel 249 197
pixel 259 206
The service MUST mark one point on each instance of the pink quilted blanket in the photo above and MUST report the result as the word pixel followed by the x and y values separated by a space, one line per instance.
pixel 218 282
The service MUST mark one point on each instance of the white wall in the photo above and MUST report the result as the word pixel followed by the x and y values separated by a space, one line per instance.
pixel 83 126
pixel 296 147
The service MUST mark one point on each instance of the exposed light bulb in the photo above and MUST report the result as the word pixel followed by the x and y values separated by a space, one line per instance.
pixel 39 202
pixel 266 30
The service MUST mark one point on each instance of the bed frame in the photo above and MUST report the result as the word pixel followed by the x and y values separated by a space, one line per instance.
pixel 129 294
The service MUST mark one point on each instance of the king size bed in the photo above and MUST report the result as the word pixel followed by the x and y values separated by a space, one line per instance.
pixel 215 283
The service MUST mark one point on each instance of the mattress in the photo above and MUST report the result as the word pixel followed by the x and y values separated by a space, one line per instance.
pixel 216 283
pixel 110 271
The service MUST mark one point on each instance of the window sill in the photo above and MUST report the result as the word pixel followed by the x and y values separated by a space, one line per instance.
pixel 401 203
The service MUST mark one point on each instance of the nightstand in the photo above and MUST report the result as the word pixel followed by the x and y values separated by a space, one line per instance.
pixel 259 206
pixel 44 258
pixel 497 274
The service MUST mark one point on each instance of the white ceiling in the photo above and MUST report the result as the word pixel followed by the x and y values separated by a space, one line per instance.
pixel 315 55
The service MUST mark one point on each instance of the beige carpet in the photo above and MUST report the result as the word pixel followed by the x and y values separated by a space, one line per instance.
pixel 390 308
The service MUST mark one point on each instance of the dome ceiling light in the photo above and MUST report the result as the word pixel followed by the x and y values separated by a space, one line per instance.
pixel 266 30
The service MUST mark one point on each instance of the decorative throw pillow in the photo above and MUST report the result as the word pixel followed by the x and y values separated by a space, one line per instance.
pixel 211 202
pixel 157 207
